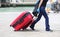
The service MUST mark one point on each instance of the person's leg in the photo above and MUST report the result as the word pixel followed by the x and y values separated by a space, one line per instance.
pixel 33 24
pixel 46 19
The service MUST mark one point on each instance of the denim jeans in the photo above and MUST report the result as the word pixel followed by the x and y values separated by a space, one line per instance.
pixel 42 12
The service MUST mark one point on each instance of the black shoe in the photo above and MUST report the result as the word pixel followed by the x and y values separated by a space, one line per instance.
pixel 49 30
pixel 32 28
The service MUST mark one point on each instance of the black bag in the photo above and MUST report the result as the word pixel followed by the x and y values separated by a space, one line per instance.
pixel 35 12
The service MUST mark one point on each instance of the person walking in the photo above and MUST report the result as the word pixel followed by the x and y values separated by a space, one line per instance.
pixel 41 11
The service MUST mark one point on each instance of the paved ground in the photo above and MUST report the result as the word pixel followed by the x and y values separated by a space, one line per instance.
pixel 6 31
pixel 7 15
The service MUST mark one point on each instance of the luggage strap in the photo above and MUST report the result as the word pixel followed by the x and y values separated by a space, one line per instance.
pixel 21 19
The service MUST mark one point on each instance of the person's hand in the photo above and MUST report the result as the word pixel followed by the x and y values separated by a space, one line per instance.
pixel 38 10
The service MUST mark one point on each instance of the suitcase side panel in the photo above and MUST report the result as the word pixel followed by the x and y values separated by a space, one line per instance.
pixel 16 19
pixel 24 23
pixel 21 19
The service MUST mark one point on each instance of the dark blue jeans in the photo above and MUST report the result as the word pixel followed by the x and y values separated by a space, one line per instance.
pixel 42 12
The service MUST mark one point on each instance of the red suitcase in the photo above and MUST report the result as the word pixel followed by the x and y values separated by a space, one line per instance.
pixel 22 21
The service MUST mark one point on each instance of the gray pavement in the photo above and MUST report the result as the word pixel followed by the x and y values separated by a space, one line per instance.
pixel 6 31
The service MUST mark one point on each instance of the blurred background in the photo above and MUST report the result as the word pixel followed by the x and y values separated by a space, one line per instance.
pixel 52 5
